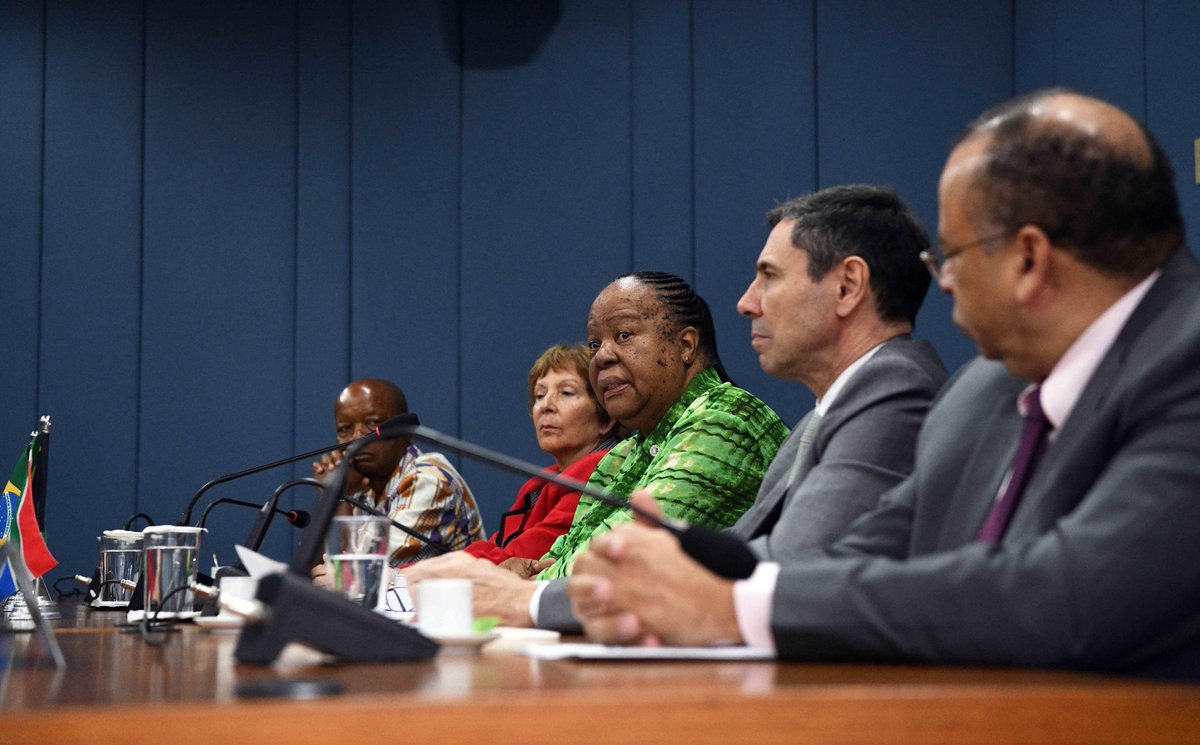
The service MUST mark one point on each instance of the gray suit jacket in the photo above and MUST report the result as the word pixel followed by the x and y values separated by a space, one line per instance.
pixel 863 446
pixel 1098 569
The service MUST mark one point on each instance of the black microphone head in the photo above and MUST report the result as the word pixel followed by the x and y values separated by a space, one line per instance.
pixel 299 518
pixel 399 425
pixel 720 553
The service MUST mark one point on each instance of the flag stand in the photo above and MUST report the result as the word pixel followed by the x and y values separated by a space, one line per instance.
pixel 20 608
pixel 34 619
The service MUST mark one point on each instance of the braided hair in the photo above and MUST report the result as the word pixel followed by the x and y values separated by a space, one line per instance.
pixel 686 309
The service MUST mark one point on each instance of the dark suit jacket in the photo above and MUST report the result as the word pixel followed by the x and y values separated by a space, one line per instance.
pixel 864 445
pixel 1099 569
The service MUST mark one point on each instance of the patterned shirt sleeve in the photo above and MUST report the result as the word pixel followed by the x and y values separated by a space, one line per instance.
pixel 433 500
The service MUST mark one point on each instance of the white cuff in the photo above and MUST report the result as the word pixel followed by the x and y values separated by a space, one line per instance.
pixel 535 601
pixel 752 601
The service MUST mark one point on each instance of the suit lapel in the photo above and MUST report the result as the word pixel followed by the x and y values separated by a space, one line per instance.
pixel 1076 444
pixel 762 516
pixel 980 476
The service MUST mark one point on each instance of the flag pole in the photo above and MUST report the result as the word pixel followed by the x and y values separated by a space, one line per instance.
pixel 39 484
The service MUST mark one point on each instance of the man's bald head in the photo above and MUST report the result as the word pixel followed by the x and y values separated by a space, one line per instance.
pixel 385 394
pixel 362 406
pixel 1085 172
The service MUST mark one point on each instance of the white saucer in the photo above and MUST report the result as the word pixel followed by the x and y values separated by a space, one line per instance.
pixel 528 636
pixel 109 604
pixel 135 616
pixel 464 641
pixel 212 623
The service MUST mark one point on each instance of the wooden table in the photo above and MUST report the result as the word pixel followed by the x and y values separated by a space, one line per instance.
pixel 118 689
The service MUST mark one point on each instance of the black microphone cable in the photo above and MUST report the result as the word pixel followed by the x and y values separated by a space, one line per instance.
pixel 134 518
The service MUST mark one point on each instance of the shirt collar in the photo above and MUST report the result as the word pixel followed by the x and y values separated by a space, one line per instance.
pixel 1064 385
pixel 826 401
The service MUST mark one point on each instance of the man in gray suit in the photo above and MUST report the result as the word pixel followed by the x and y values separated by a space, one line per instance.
pixel 835 295
pixel 836 292
pixel 1052 514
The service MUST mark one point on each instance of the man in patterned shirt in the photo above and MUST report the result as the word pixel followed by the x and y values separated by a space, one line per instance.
pixel 420 490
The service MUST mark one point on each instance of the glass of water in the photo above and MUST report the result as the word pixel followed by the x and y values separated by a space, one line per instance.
pixel 356 555
pixel 170 563
pixel 120 559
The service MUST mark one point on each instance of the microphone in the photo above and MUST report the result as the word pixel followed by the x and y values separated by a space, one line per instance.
pixel 299 518
pixel 441 548
pixel 395 421
pixel 294 610
pixel 259 531
pixel 721 553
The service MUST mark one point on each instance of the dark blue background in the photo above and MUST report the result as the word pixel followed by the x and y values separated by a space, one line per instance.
pixel 212 215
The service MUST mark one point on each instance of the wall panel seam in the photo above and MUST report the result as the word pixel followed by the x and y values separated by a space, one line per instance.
pixel 41 231
pixel 692 127
pixel 458 284
pixel 141 278
pixel 295 221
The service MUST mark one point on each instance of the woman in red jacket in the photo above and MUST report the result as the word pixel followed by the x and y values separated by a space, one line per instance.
pixel 577 432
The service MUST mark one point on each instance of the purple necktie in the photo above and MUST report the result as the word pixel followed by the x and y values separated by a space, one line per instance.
pixel 1033 443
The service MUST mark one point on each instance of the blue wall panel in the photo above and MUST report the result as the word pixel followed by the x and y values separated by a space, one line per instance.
pixel 92 267
pixel 1033 35
pixel 405 191
pixel 929 68
pixel 219 278
pixel 754 147
pixel 21 38
pixel 545 217
pixel 661 99
pixel 1172 103
pixel 1098 47
pixel 254 202
pixel 323 200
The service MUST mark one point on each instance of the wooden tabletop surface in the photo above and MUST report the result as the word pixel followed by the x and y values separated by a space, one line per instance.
pixel 118 688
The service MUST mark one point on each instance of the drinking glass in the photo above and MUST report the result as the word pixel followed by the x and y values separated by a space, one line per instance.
pixel 356 557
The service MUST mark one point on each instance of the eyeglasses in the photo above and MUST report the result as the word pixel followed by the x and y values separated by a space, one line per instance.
pixel 936 257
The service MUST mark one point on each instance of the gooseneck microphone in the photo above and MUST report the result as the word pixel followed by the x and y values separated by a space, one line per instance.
pixel 294 610
pixel 312 542
pixel 441 548
pixel 259 531
pixel 299 518
pixel 186 517
pixel 720 553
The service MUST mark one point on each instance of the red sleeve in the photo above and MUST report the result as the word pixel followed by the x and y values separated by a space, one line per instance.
pixel 551 517
pixel 487 548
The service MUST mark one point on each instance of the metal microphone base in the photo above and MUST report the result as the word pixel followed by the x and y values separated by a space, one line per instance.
pixel 301 612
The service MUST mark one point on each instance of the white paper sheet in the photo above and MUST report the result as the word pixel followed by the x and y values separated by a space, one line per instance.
pixel 258 565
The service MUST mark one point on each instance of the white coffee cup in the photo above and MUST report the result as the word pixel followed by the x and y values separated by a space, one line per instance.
pixel 444 607
pixel 239 587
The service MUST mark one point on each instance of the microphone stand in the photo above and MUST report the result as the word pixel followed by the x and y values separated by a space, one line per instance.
pixel 186 517
pixel 259 530
pixel 295 610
